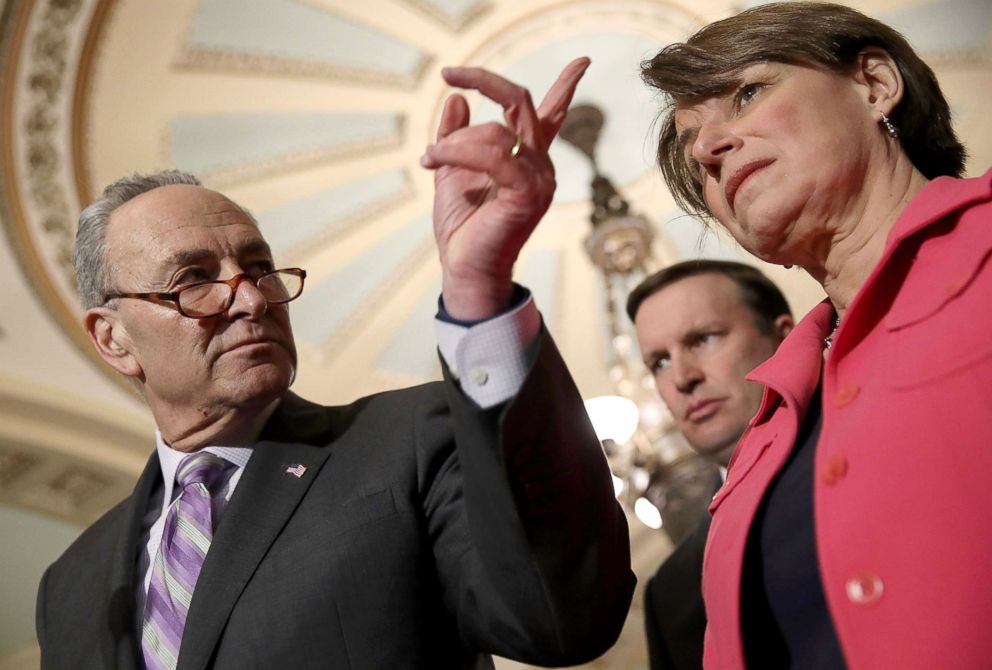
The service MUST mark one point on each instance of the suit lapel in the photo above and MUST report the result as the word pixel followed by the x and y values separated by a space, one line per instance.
pixel 122 647
pixel 264 501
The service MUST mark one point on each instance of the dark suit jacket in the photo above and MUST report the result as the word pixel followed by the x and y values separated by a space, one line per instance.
pixel 425 533
pixel 674 614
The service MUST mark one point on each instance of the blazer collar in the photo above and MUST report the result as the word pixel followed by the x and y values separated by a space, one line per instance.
pixel 266 497
pixel 793 371
pixel 122 647
pixel 939 198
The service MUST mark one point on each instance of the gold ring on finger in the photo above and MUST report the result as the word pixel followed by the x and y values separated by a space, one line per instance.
pixel 516 147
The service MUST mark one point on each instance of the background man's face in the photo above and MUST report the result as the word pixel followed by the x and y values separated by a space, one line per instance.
pixel 176 235
pixel 700 340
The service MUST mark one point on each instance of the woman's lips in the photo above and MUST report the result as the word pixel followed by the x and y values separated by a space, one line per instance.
pixel 741 175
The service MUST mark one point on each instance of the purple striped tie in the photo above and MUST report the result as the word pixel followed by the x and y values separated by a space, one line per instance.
pixel 185 540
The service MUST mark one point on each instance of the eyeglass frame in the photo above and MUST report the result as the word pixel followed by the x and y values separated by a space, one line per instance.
pixel 172 297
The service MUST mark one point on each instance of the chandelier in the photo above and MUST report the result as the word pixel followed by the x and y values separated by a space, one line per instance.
pixel 655 473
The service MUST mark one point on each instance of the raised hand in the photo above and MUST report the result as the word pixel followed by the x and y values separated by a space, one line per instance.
pixel 493 183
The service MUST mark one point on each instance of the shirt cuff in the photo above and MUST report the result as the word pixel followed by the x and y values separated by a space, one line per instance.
pixel 491 359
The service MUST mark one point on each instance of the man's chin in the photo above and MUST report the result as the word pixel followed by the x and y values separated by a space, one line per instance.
pixel 262 384
pixel 713 447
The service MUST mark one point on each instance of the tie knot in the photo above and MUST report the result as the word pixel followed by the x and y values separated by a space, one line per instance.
pixel 200 468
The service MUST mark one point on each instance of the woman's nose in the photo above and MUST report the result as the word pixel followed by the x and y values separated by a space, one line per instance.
pixel 714 141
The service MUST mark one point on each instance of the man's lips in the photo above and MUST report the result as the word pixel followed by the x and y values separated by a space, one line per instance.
pixel 703 409
pixel 254 342
pixel 740 175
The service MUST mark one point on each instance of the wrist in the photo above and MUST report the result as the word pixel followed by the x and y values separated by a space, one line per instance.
pixel 476 300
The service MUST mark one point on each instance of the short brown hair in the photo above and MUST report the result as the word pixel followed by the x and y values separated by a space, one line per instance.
pixel 758 293
pixel 819 34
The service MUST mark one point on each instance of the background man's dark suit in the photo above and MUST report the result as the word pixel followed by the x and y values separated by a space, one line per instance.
pixel 674 613
pixel 422 529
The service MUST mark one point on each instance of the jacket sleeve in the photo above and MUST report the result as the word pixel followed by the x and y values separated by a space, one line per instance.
pixel 531 545
pixel 39 615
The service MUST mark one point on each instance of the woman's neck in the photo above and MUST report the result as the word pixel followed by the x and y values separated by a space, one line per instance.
pixel 854 246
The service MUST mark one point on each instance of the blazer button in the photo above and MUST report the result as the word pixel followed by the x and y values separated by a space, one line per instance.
pixel 834 469
pixel 846 395
pixel 864 589
pixel 478 376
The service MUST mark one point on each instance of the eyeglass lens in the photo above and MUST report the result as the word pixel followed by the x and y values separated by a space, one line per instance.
pixel 214 297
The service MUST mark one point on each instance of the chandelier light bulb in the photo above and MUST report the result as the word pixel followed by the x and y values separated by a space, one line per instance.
pixel 613 417
pixel 647 513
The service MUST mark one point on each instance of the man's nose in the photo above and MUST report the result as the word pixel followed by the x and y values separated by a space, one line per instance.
pixel 248 300
pixel 686 373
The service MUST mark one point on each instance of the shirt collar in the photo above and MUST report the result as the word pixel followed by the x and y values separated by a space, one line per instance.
pixel 170 459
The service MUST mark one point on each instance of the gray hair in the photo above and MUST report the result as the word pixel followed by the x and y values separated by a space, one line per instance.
pixel 89 255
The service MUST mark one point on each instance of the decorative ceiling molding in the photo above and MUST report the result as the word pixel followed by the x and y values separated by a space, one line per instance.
pixel 225 61
pixel 578 17
pixel 68 462
pixel 45 97
pixel 44 47
pixel 29 413
pixel 228 149
pixel 71 490
pixel 283 37
pixel 457 15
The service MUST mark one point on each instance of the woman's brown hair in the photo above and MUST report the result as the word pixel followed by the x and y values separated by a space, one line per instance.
pixel 810 33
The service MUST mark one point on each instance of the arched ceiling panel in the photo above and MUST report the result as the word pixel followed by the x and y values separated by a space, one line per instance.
pixel 249 143
pixel 322 216
pixel 296 38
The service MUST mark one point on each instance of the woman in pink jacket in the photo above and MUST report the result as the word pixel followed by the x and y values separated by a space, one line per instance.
pixel 855 526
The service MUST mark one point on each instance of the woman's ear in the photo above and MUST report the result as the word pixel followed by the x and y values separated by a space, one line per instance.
pixel 109 335
pixel 882 82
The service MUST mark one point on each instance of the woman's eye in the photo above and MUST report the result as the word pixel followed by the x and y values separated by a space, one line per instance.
pixel 747 93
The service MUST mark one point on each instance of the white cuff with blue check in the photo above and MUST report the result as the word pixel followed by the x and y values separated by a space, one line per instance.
pixel 491 359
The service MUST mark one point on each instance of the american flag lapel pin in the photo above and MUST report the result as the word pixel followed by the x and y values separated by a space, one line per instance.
pixel 296 470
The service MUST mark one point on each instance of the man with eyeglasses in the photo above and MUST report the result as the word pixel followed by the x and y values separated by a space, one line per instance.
pixel 420 528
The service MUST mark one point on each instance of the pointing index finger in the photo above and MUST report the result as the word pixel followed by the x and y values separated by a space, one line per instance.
pixel 555 104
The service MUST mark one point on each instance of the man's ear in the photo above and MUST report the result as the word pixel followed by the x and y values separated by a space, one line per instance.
pixel 109 336
pixel 882 82
pixel 782 326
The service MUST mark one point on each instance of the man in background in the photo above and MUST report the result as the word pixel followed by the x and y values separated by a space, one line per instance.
pixel 702 326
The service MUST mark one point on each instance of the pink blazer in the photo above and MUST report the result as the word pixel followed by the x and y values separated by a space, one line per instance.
pixel 903 473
